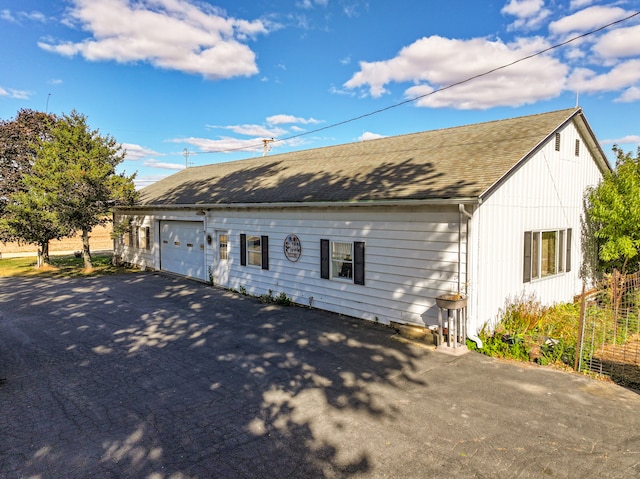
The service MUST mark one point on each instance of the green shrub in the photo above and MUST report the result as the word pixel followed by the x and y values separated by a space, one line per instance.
pixel 528 331
pixel 522 315
pixel 267 297
pixel 283 299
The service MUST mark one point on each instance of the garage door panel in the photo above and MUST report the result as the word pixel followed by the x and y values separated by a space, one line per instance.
pixel 182 248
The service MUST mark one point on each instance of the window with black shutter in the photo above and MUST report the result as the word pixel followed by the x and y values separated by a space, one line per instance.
pixel 527 257
pixel 324 258
pixel 254 250
pixel 243 249
pixel 264 243
pixel 343 261
pixel 358 262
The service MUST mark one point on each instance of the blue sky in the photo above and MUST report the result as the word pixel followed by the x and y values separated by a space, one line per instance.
pixel 162 76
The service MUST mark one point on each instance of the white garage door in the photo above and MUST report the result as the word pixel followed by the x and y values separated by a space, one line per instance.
pixel 182 248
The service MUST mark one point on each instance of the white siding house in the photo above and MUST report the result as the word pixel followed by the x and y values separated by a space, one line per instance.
pixel 379 229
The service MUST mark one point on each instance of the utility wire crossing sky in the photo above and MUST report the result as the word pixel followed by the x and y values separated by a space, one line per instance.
pixel 186 82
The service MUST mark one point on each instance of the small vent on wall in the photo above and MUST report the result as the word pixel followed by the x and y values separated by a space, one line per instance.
pixel 557 141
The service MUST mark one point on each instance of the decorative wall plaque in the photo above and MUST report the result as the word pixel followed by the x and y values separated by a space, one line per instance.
pixel 292 248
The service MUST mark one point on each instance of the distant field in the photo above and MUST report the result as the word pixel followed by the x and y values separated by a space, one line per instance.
pixel 100 240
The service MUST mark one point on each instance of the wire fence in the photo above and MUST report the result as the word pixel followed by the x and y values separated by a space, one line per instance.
pixel 609 340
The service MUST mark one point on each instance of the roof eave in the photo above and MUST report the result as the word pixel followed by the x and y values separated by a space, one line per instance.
pixel 308 204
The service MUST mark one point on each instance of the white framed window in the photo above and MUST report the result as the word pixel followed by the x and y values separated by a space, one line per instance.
pixel 343 261
pixel 132 237
pixel 144 238
pixel 254 250
pixel 223 246
pixel 546 253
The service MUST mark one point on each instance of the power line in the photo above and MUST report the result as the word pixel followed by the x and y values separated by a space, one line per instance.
pixel 438 90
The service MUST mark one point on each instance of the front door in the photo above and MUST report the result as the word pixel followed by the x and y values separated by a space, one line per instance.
pixel 221 263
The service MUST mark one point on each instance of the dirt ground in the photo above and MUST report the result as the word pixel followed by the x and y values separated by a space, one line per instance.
pixel 622 362
pixel 100 240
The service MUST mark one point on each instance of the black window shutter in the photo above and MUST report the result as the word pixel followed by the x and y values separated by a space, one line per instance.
pixel 264 244
pixel 568 240
pixel 358 262
pixel 243 250
pixel 324 259
pixel 527 257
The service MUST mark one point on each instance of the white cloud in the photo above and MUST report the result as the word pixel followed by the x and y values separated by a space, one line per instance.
pixel 17 94
pixel 286 119
pixel 146 180
pixel 309 4
pixel 434 62
pixel 609 53
pixel 622 76
pixel 137 152
pixel 575 4
pixel 523 8
pixel 35 16
pixel 7 15
pixel 151 163
pixel 223 144
pixel 529 14
pixel 367 135
pixel 587 19
pixel 619 43
pixel 16 17
pixel 354 8
pixel 257 132
pixel 340 91
pixel 622 141
pixel 253 130
pixel 630 95
pixel 172 34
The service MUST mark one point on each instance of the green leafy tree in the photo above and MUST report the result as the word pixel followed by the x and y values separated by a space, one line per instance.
pixel 613 214
pixel 76 169
pixel 31 217
pixel 19 140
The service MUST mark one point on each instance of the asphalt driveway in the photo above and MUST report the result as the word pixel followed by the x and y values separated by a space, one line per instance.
pixel 147 376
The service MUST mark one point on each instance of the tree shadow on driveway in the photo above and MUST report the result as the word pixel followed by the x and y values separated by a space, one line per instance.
pixel 150 376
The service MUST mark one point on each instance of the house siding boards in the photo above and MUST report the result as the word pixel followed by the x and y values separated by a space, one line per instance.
pixel 552 201
pixel 411 256
pixel 135 254
pixel 401 245
pixel 400 197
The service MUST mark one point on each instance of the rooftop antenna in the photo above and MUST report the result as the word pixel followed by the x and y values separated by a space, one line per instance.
pixel 577 96
pixel 46 110
pixel 186 157
pixel 266 148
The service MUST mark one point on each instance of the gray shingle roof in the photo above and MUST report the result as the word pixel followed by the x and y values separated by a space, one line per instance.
pixel 452 163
